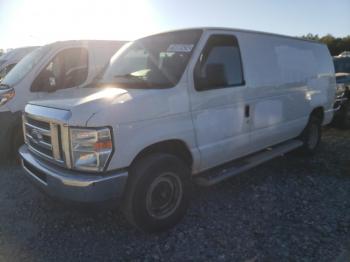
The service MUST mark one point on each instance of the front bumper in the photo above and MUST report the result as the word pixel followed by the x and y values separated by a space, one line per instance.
pixel 70 185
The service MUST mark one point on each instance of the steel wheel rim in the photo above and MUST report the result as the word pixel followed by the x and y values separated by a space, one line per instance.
pixel 164 195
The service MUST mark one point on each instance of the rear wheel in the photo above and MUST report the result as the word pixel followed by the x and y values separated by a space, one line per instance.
pixel 311 136
pixel 157 193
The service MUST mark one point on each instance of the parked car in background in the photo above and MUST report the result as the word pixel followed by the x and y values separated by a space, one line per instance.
pixel 197 105
pixel 11 58
pixel 48 72
pixel 344 54
pixel 342 103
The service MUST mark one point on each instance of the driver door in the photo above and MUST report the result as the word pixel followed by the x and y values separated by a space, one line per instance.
pixel 219 101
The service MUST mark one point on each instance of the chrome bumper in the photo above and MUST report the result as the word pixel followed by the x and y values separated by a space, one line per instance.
pixel 68 185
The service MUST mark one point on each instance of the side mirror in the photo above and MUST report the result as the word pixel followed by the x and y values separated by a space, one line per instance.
pixel 215 75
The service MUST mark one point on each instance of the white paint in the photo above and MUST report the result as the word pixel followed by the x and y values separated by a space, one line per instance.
pixel 281 88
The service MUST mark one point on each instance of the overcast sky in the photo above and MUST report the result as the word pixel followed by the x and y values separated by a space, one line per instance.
pixel 37 22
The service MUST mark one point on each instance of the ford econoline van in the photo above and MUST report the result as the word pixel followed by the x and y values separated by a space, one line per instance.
pixel 11 58
pixel 47 72
pixel 197 105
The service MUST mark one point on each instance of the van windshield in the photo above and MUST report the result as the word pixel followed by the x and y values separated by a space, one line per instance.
pixel 24 66
pixel 156 61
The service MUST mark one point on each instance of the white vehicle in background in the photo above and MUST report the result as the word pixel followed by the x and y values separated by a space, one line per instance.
pixel 11 58
pixel 45 73
pixel 197 105
pixel 344 54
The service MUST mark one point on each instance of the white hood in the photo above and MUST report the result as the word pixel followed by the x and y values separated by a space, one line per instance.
pixel 115 104
pixel 71 98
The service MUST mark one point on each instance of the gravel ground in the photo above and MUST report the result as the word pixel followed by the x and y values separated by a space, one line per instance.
pixel 289 209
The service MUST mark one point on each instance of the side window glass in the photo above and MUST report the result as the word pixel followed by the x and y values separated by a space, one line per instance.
pixel 219 65
pixel 75 67
pixel 69 68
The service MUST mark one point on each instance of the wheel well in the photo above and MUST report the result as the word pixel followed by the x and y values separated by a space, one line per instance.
pixel 318 112
pixel 174 147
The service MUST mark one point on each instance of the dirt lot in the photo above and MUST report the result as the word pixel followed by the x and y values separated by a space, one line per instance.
pixel 290 209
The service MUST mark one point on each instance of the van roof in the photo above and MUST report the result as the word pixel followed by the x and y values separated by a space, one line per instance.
pixel 241 30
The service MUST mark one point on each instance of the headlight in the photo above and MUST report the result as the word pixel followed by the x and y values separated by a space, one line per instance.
pixel 6 95
pixel 90 148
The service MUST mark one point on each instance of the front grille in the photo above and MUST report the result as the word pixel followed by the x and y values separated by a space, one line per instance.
pixel 38 123
pixel 43 138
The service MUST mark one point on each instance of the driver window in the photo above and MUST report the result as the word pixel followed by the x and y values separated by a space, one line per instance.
pixel 69 68
pixel 219 65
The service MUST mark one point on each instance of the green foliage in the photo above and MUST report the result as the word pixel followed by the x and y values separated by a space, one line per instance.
pixel 336 45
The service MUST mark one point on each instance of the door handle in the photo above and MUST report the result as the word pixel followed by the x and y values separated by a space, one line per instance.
pixel 247 111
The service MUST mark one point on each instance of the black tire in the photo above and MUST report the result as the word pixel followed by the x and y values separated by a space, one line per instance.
pixel 311 136
pixel 342 119
pixel 151 178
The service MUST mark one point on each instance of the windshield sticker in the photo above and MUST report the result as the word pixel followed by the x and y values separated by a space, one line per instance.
pixel 180 48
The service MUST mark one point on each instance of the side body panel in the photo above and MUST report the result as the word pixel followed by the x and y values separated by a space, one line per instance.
pixel 222 130
pixel 287 79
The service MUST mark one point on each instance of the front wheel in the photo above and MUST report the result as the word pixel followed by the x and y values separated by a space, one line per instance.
pixel 157 194
pixel 311 136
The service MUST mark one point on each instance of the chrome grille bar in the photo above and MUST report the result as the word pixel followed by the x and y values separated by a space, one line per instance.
pixel 41 130
pixel 55 143
pixel 51 133
pixel 41 141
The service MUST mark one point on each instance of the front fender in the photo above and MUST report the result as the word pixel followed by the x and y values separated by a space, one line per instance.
pixel 131 138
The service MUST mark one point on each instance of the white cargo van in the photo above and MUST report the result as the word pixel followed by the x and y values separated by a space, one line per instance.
pixel 47 72
pixel 196 105
pixel 11 58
